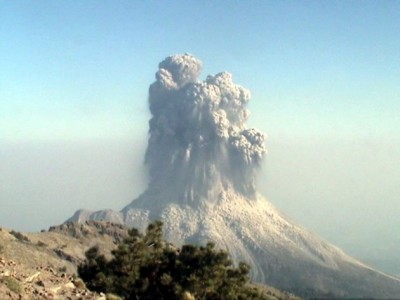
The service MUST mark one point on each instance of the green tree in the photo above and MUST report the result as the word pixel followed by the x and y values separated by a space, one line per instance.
pixel 95 271
pixel 147 267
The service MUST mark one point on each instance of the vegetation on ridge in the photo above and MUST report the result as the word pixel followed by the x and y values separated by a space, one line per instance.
pixel 39 270
pixel 147 267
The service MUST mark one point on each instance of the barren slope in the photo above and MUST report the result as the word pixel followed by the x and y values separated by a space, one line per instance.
pixel 281 253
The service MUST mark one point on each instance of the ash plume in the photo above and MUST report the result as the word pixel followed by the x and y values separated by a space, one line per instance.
pixel 202 164
pixel 198 139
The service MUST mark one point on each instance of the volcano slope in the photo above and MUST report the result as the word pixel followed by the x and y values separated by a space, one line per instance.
pixel 202 162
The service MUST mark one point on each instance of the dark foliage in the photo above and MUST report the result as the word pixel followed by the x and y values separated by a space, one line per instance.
pixel 147 267
pixel 19 236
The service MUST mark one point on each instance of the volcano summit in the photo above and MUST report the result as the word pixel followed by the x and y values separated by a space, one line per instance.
pixel 202 163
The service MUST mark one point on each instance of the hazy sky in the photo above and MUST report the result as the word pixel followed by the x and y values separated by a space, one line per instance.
pixel 324 77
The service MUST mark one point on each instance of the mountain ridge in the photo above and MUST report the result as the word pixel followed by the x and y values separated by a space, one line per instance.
pixel 43 265
pixel 280 253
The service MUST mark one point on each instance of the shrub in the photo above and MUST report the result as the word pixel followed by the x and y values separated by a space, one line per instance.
pixel 41 244
pixel 12 284
pixel 62 269
pixel 19 236
pixel 147 267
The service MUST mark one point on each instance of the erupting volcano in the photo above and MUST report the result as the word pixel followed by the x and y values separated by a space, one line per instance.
pixel 199 145
pixel 202 162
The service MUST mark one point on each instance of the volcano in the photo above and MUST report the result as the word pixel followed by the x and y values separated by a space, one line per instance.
pixel 202 162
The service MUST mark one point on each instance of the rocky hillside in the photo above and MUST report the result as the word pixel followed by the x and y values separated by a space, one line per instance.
pixel 43 265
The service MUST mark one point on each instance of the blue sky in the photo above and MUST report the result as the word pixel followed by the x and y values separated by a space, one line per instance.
pixel 79 69
pixel 324 77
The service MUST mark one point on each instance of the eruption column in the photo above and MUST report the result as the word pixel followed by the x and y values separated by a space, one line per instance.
pixel 198 140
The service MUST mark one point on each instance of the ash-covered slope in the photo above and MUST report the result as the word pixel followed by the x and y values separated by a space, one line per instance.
pixel 202 162
pixel 280 253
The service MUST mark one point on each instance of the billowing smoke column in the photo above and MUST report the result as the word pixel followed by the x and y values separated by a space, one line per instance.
pixel 202 162
pixel 198 140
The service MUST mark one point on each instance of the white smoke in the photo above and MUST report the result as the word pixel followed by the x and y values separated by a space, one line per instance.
pixel 198 136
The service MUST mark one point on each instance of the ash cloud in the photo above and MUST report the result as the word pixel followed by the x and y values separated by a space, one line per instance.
pixel 198 137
